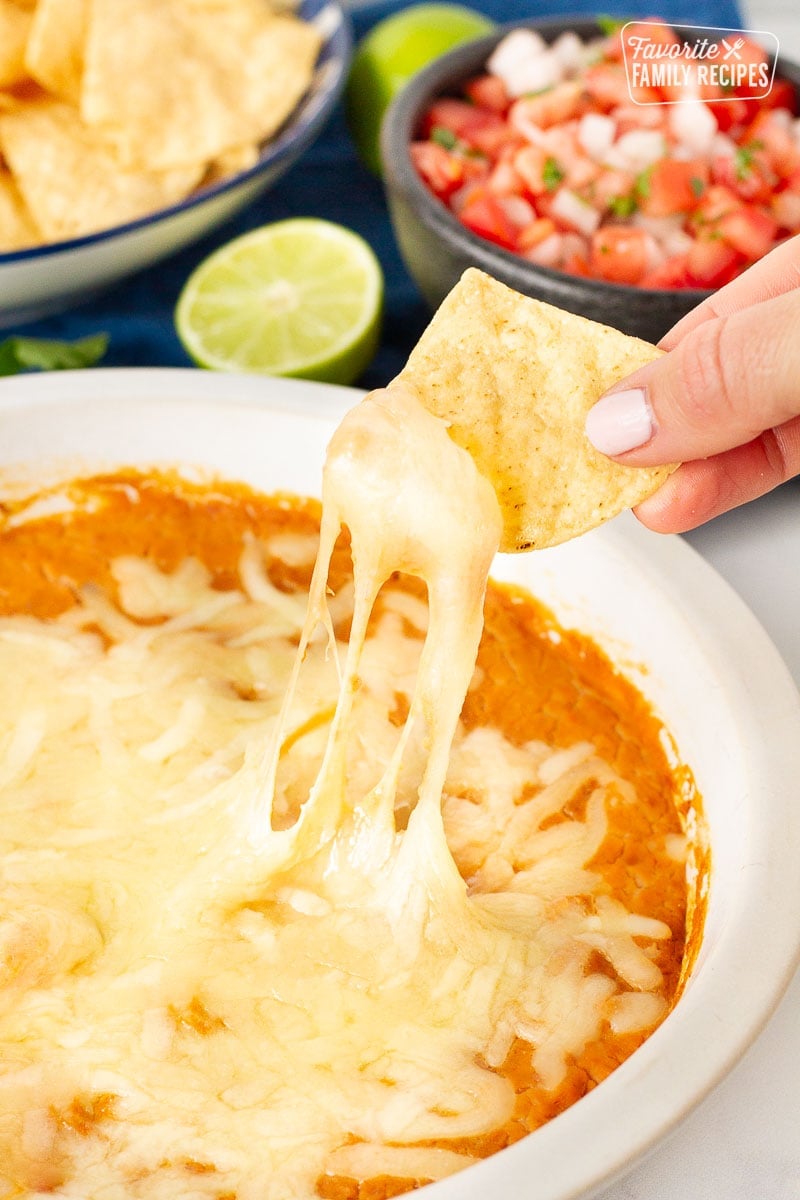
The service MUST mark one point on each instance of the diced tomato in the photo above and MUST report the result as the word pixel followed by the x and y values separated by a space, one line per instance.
pixel 630 117
pixel 619 253
pixel 536 232
pixel 782 95
pixel 607 86
pixel 779 148
pixel 454 115
pixel 504 179
pixel 488 91
pixel 751 56
pixel 577 264
pixel 490 135
pixel 747 174
pixel 716 202
pixel 484 215
pixel 558 104
pixel 442 171
pixel 613 188
pixel 672 273
pixel 732 113
pixel 711 262
pixel 673 186
pixel 786 209
pixel 530 163
pixel 582 172
pixel 750 231
pixel 478 127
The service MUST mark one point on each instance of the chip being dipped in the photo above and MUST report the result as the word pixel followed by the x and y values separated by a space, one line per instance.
pixel 514 379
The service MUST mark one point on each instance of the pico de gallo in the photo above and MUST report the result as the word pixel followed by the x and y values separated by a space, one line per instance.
pixel 546 154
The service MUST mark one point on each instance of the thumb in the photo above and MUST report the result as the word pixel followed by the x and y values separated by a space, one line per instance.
pixel 724 384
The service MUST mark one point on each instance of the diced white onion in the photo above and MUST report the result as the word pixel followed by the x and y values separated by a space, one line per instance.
pixel 524 63
pixel 574 212
pixel 693 126
pixel 518 210
pixel 548 253
pixel 722 146
pixel 668 233
pixel 637 150
pixel 596 134
pixel 569 51
pixel 655 253
pixel 521 123
pixel 573 244
pixel 782 118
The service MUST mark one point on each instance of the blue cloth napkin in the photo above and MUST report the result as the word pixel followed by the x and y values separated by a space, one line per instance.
pixel 328 182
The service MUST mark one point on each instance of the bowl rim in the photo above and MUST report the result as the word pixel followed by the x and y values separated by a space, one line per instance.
pixel 435 79
pixel 726 1016
pixel 294 136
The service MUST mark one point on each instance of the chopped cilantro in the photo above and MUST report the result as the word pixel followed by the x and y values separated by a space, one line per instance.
pixel 622 206
pixel 697 186
pixel 552 174
pixel 641 188
pixel 744 158
pixel 444 137
pixel 26 354
pixel 539 92
pixel 609 25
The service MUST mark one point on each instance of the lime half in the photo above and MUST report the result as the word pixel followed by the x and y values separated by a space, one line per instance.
pixel 301 297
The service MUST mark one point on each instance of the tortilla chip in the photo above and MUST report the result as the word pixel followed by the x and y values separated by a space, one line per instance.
pixel 54 53
pixel 230 162
pixel 17 229
pixel 182 83
pixel 72 180
pixel 515 379
pixel 15 24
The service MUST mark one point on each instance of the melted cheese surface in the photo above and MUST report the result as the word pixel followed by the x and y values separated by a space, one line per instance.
pixel 237 956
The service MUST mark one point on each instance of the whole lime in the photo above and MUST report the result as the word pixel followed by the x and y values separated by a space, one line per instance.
pixel 394 50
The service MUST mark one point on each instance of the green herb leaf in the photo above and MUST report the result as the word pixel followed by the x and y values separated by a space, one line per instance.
pixel 697 186
pixel 609 25
pixel 622 206
pixel 641 188
pixel 444 137
pixel 744 158
pixel 26 354
pixel 539 92
pixel 552 174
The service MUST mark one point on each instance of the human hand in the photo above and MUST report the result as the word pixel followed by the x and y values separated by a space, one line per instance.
pixel 724 402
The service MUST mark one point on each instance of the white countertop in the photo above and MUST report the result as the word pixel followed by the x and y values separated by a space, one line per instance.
pixel 743 1142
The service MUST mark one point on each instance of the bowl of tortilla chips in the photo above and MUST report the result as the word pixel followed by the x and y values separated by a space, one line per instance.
pixel 130 128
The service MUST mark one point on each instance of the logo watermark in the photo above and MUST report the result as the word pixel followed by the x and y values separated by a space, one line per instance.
pixel 708 62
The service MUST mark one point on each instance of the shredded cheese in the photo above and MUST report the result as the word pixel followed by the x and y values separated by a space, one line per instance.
pixel 227 966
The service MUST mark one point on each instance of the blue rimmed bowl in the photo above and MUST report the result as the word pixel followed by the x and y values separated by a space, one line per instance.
pixel 50 278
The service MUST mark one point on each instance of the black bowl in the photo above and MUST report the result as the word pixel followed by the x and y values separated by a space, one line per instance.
pixel 437 248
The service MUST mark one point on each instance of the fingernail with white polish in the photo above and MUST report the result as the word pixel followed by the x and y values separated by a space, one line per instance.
pixel 620 422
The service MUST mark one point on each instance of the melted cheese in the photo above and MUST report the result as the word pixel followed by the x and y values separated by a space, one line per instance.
pixel 225 967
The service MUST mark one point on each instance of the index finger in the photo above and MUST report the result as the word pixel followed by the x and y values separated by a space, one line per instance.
pixel 776 273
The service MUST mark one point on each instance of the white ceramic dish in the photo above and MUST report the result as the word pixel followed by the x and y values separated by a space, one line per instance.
pixel 47 279
pixel 707 666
